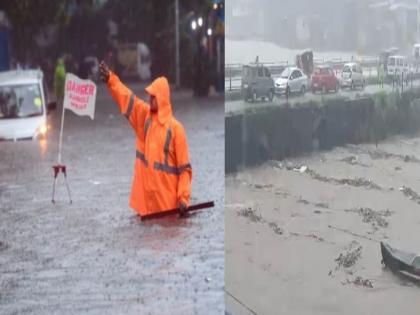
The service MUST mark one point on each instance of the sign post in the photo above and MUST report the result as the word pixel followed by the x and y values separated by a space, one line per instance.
pixel 79 97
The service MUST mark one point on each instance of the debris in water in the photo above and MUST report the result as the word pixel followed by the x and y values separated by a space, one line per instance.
pixel 359 281
pixel 317 212
pixel 303 169
pixel 350 159
pixel 322 205
pixel 318 238
pixel 311 235
pixel 266 186
pixel 411 194
pixel 250 214
pixel 289 166
pixel 357 182
pixel 276 164
pixel 374 217
pixel 278 230
pixel 303 201
pixel 363 282
pixel 208 279
pixel 386 213
pixel 398 168
pixel 350 256
pixel 380 155
pixel 353 160
pixel 281 193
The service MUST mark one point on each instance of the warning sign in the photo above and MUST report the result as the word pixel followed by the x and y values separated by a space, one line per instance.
pixel 80 95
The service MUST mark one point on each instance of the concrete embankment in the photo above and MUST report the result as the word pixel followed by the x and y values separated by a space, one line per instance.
pixel 277 132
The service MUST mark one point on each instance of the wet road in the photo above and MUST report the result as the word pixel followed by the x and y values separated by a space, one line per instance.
pixel 303 236
pixel 240 105
pixel 95 256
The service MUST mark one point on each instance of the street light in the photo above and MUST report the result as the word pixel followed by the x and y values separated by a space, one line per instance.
pixel 193 25
pixel 200 21
pixel 209 32
pixel 177 71
pixel 418 21
pixel 215 6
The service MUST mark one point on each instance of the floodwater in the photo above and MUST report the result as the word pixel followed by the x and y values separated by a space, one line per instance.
pixel 95 256
pixel 303 235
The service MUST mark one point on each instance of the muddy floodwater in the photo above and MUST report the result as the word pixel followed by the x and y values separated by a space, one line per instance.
pixel 95 256
pixel 303 234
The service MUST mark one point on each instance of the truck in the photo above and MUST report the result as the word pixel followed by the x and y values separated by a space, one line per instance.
pixel 134 61
pixel 5 46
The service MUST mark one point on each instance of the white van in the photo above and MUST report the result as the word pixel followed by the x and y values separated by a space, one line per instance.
pixel 23 109
pixel 352 76
pixel 397 65
pixel 135 60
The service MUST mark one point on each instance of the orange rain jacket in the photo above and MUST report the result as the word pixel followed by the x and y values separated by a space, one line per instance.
pixel 162 173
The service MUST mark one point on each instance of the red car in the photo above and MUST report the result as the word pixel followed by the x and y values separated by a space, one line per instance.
pixel 324 79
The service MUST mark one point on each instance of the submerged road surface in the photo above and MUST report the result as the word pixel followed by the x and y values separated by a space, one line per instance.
pixel 95 256
pixel 303 235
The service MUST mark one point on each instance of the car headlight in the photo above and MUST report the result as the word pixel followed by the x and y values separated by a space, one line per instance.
pixel 42 130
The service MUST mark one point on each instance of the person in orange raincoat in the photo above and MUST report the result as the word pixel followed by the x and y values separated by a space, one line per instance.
pixel 163 173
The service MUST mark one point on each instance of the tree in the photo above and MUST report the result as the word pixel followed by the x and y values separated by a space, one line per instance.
pixel 28 17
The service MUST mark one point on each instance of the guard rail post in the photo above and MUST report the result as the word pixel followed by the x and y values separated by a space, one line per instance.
pixel 393 81
pixel 412 75
pixel 402 81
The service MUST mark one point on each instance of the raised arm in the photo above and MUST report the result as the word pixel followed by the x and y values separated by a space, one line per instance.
pixel 133 108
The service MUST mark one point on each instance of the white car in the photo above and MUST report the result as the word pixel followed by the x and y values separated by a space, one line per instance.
pixel 23 109
pixel 352 76
pixel 291 80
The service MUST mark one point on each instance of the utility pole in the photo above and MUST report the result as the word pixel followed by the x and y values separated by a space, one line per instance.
pixel 177 73
pixel 418 22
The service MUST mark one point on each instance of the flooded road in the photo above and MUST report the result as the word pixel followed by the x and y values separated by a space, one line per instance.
pixel 303 234
pixel 95 256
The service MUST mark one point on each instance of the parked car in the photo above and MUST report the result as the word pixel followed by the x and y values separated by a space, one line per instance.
pixel 352 76
pixel 257 83
pixel 23 105
pixel 291 80
pixel 324 79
